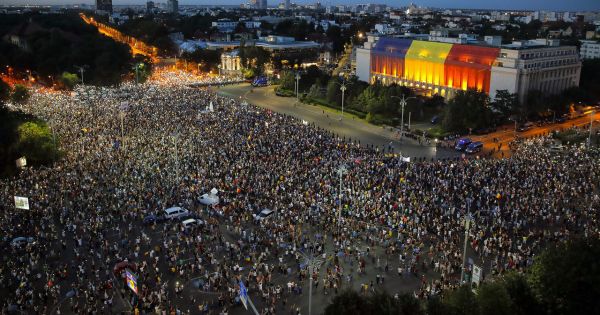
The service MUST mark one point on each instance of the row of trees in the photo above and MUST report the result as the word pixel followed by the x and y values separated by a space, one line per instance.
pixel 23 135
pixel 54 45
pixel 467 111
pixel 564 279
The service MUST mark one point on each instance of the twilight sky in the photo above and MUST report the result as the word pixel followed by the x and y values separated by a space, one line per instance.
pixel 558 5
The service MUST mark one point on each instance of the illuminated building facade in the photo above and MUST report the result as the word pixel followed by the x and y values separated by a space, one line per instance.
pixel 444 68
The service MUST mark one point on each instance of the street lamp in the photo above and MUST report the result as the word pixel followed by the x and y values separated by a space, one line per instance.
pixel 402 103
pixel 341 172
pixel 297 85
pixel 464 260
pixel 343 87
pixel 81 70
pixel 312 263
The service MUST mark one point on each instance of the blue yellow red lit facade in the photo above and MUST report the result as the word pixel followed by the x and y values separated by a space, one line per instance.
pixel 439 67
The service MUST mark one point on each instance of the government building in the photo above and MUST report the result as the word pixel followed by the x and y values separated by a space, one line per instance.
pixel 433 67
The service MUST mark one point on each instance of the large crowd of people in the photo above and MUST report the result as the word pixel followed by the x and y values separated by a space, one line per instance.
pixel 132 151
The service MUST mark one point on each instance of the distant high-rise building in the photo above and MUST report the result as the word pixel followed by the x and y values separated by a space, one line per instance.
pixel 104 5
pixel 263 4
pixel 173 6
pixel 287 4
pixel 149 6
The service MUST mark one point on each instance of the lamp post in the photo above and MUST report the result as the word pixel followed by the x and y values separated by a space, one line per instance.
pixel 464 260
pixel 343 88
pixel 341 172
pixel 297 85
pixel 403 100
pixel 81 70
pixel 312 263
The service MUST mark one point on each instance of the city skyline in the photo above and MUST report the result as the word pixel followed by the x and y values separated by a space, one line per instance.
pixel 575 5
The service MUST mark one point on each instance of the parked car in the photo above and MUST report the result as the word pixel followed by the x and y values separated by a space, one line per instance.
pixel 153 218
pixel 175 212
pixel 462 144
pixel 474 147
pixel 435 119
pixel 524 127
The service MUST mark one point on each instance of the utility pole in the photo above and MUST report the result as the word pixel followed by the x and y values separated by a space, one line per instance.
pixel 409 120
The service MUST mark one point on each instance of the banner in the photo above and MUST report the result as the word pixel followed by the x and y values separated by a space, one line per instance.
pixel 131 281
pixel 21 203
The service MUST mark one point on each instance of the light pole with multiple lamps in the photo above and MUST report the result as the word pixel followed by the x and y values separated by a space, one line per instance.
pixel 312 263
pixel 403 100
pixel 82 70
pixel 343 87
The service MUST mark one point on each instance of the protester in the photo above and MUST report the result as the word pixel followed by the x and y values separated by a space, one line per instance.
pixel 134 150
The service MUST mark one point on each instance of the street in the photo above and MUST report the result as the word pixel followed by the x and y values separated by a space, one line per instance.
pixel 354 129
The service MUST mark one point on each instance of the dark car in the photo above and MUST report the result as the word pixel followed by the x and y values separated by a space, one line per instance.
pixel 435 119
pixel 474 147
pixel 462 144
pixel 152 219
pixel 525 127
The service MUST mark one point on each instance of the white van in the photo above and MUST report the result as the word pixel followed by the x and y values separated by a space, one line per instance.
pixel 176 212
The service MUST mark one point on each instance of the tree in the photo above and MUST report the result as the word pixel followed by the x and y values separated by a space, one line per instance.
pixel 287 80
pixel 506 104
pixel 20 94
pixel 566 278
pixel 348 302
pixel 462 301
pixel 493 299
pixel 467 110
pixel 36 143
pixel 534 104
pixel 69 80
pixel 522 298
